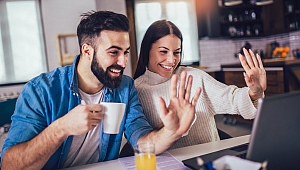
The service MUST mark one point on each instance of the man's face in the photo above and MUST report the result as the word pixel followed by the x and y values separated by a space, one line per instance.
pixel 111 57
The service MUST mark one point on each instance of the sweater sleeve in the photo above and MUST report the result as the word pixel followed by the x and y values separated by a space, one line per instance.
pixel 222 98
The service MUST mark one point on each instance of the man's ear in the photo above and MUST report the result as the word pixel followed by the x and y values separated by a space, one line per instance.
pixel 87 51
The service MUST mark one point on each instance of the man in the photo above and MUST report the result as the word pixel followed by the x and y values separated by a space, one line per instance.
pixel 50 127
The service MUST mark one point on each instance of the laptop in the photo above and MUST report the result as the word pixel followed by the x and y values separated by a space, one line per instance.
pixel 275 135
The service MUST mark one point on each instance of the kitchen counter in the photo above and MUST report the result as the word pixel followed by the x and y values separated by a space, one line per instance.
pixel 208 69
pixel 215 72
pixel 270 62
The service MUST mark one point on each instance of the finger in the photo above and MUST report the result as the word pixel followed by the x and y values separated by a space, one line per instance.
pixel 189 87
pixel 196 96
pixel 259 61
pixel 248 58
pixel 94 122
pixel 173 89
pixel 163 108
pixel 182 85
pixel 254 58
pixel 96 116
pixel 244 63
pixel 94 107
pixel 246 77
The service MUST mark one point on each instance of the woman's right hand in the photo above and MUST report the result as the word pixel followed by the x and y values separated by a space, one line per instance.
pixel 180 113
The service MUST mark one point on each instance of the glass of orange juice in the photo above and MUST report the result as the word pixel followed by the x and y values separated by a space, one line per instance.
pixel 145 158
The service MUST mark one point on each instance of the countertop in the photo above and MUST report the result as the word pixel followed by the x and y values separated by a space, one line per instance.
pixel 208 69
pixel 269 62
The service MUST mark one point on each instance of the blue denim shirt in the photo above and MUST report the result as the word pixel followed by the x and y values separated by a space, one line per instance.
pixel 51 95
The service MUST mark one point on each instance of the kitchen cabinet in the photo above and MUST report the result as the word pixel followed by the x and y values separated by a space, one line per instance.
pixel 273 18
pixel 252 20
pixel 241 20
pixel 291 14
pixel 275 79
pixel 247 19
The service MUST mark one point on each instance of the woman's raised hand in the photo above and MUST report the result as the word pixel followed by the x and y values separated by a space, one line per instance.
pixel 180 113
pixel 255 74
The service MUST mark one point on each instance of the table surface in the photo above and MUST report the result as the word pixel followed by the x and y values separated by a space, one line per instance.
pixel 180 153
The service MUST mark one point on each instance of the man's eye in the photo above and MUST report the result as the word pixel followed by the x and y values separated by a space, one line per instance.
pixel 114 52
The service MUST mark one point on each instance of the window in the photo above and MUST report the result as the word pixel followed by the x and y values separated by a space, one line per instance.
pixel 181 12
pixel 22 50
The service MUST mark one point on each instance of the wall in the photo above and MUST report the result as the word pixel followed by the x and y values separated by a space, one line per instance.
pixel 215 52
pixel 63 16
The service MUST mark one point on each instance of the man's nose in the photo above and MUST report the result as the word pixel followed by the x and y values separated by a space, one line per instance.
pixel 122 60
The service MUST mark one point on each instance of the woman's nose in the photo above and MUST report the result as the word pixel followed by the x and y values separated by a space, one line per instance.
pixel 171 58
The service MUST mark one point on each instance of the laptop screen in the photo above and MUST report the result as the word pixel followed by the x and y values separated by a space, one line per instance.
pixel 275 135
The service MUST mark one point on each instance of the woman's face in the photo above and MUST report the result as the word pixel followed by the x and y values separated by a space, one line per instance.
pixel 164 55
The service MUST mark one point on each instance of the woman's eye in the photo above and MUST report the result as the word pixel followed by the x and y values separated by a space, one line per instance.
pixel 176 53
pixel 164 52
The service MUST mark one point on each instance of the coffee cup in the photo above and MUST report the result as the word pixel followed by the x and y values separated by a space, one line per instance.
pixel 113 114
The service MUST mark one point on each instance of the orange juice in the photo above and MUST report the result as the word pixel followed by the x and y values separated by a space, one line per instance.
pixel 145 161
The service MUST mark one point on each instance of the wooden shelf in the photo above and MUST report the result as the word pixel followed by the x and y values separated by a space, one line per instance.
pixel 243 20
pixel 64 56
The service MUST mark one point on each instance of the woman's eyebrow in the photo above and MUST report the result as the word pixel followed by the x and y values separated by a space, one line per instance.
pixel 163 47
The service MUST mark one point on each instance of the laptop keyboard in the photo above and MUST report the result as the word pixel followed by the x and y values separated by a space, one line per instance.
pixel 243 155
pixel 239 151
pixel 243 149
pixel 240 148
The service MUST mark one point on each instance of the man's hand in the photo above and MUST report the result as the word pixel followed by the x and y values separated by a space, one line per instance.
pixel 178 116
pixel 34 153
pixel 81 119
pixel 255 76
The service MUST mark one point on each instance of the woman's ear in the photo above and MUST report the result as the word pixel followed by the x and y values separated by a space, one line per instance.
pixel 87 51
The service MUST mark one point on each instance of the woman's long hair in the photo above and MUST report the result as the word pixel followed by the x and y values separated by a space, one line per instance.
pixel 157 30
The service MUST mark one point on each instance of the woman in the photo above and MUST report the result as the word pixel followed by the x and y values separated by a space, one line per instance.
pixel 159 59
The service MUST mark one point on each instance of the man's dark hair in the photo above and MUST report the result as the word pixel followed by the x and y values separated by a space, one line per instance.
pixel 156 31
pixel 92 23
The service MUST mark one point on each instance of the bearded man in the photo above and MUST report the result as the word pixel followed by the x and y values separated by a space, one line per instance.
pixel 57 119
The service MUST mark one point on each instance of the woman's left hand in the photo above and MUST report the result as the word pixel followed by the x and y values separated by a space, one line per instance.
pixel 255 74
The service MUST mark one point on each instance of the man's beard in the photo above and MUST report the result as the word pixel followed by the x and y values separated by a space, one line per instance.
pixel 104 77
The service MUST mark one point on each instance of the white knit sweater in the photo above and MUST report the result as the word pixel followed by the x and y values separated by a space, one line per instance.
pixel 215 98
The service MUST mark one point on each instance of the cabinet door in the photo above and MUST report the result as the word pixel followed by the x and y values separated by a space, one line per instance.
pixel 273 18
pixel 291 14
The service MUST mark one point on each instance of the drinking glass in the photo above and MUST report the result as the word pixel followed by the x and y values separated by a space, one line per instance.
pixel 145 158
